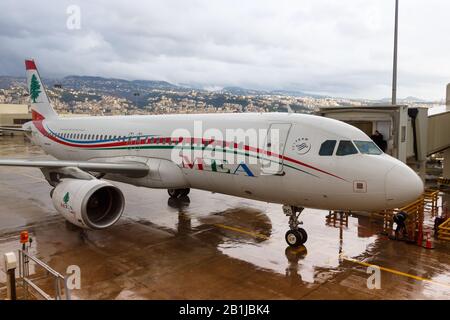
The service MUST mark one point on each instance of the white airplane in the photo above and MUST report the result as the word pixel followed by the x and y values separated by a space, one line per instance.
pixel 317 163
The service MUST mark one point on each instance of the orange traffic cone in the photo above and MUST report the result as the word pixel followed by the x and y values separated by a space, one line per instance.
pixel 429 242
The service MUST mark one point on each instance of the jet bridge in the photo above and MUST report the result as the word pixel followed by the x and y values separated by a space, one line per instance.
pixel 390 121
pixel 439 134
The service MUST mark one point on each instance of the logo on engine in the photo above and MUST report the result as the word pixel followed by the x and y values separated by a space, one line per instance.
pixel 66 198
pixel 65 203
pixel 301 145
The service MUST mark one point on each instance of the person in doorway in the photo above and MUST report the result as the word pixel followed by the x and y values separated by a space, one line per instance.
pixel 377 137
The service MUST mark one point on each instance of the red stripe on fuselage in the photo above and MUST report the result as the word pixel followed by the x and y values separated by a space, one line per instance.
pixel 40 127
pixel 36 115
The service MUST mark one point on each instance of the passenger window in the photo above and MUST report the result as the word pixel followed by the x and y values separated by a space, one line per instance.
pixel 346 147
pixel 327 148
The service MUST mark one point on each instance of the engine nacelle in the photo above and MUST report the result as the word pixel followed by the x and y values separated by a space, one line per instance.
pixel 90 204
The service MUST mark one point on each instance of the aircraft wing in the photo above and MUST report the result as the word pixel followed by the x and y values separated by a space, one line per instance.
pixel 129 167
pixel 14 129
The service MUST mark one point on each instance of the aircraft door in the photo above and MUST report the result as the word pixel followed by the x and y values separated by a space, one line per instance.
pixel 275 143
pixel 133 143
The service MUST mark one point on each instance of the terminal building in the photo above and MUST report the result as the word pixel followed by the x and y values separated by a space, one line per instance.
pixel 14 115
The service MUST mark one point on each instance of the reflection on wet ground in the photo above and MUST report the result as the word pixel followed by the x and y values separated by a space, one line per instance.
pixel 212 246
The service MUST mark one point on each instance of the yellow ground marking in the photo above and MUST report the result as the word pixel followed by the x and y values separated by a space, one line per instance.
pixel 240 230
pixel 404 274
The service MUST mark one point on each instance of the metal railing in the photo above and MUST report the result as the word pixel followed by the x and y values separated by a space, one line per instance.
pixel 444 230
pixel 426 204
pixel 59 281
pixel 430 198
pixel 415 211
pixel 443 182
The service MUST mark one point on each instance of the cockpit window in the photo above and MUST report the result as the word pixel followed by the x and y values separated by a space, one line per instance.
pixel 346 147
pixel 327 148
pixel 367 147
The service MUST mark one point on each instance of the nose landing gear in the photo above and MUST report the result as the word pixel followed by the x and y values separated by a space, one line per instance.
pixel 178 193
pixel 296 236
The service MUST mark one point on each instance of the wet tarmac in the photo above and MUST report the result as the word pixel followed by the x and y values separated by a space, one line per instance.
pixel 212 246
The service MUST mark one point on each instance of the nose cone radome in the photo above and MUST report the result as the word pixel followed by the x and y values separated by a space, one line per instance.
pixel 403 186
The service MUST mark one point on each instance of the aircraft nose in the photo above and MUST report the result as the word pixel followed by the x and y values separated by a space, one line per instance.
pixel 402 186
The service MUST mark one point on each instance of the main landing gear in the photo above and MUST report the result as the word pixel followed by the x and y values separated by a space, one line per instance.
pixel 296 236
pixel 178 193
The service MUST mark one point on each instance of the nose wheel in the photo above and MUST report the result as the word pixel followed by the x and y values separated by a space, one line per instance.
pixel 178 193
pixel 296 236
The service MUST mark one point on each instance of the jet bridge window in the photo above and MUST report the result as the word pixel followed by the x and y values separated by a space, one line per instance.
pixel 346 147
pixel 367 147
pixel 327 148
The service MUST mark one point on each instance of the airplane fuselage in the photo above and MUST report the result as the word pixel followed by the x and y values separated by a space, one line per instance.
pixel 200 151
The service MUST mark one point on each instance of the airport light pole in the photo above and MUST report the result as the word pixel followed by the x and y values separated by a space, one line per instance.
pixel 394 71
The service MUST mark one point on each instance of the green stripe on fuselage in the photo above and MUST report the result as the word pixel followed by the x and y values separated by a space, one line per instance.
pixel 201 148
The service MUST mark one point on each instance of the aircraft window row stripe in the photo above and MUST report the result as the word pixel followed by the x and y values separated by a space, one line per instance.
pixel 84 136
pixel 101 137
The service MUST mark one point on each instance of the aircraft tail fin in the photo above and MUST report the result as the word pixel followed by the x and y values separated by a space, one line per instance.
pixel 40 104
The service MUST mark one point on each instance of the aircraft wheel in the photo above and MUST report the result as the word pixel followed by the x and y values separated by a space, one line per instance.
pixel 304 235
pixel 173 193
pixel 294 238
pixel 184 192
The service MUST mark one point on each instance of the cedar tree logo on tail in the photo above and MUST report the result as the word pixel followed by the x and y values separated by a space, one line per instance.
pixel 35 88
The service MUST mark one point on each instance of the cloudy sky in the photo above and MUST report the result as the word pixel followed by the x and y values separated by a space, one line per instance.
pixel 341 48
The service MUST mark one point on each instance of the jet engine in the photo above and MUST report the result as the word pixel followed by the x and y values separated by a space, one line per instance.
pixel 90 204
